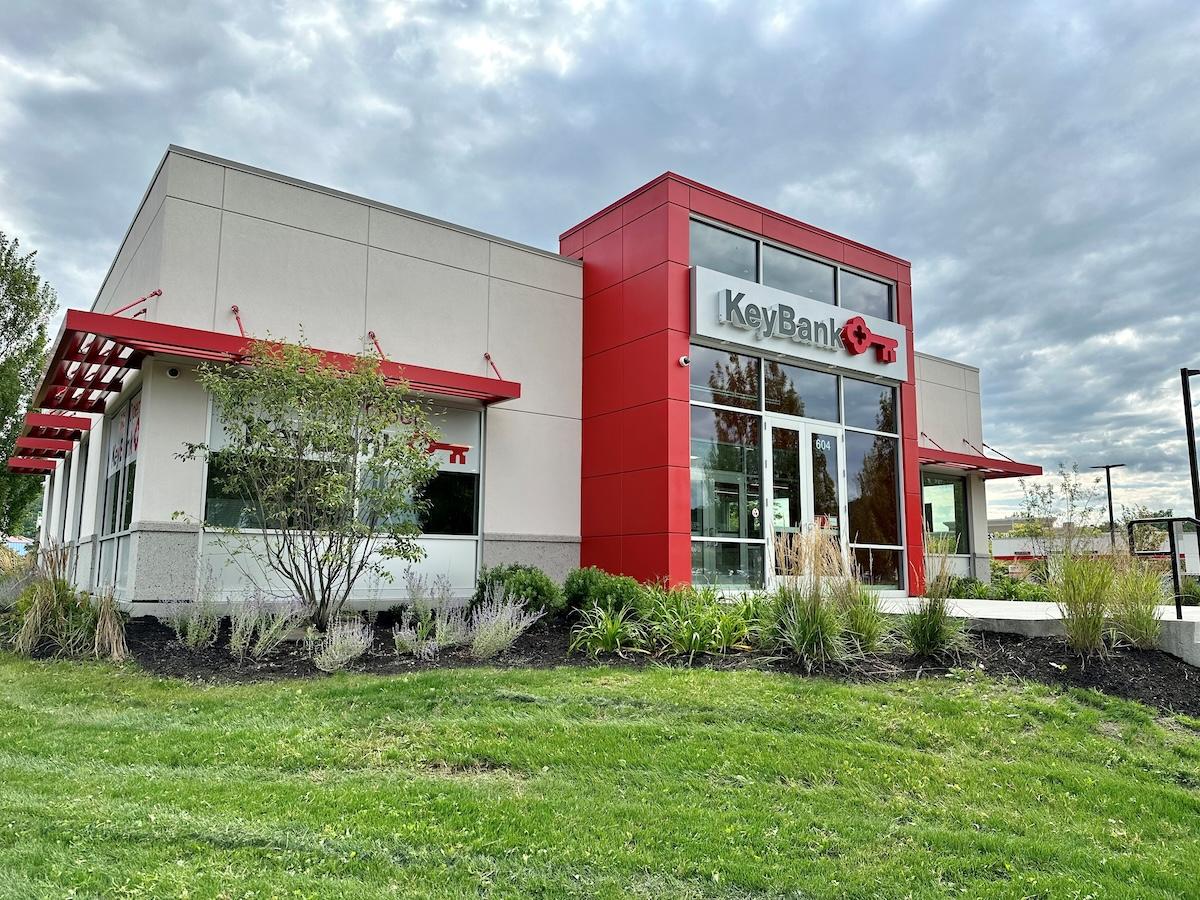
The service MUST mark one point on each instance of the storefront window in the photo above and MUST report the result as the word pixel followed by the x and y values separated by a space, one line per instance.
pixel 724 564
pixel 727 379
pixel 944 501
pixel 737 255
pixel 872 490
pixel 724 251
pixel 124 430
pixel 865 295
pixel 878 567
pixel 452 495
pixel 726 455
pixel 726 474
pixel 797 274
pixel 869 405
pixel 794 391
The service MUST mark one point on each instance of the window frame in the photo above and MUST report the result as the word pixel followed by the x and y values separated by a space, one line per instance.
pixel 949 480
pixel 838 267
pixel 763 414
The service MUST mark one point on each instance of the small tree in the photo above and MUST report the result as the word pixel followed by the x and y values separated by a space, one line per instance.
pixel 26 303
pixel 1056 517
pixel 1145 537
pixel 328 462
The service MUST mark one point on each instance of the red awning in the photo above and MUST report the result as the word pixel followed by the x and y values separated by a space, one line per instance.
pixel 43 447
pixel 25 465
pixel 55 426
pixel 984 466
pixel 95 351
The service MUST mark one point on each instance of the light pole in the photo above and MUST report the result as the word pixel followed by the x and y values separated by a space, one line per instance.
pixel 1112 522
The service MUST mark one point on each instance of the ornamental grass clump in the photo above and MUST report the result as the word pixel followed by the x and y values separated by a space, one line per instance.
pixel 1082 587
pixel 50 616
pixel 807 622
pixel 1137 592
pixel 109 641
pixel 346 639
pixel 865 625
pixel 809 626
pixel 932 629
pixel 496 625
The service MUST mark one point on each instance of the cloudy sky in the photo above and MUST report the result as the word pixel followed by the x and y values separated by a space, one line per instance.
pixel 1039 163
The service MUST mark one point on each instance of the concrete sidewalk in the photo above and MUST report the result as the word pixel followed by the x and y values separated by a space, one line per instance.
pixel 1037 619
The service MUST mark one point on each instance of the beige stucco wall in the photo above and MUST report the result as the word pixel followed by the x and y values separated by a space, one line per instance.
pixel 298 258
pixel 948 415
pixel 948 404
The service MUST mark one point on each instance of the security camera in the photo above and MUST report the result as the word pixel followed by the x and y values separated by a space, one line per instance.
pixel 172 372
pixel 685 361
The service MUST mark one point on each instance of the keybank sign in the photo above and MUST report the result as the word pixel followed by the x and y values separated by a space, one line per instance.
pixel 748 314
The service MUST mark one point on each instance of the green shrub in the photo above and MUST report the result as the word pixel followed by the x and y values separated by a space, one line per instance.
pixel 528 584
pixel 604 630
pixel 808 625
pixel 1082 587
pixel 1136 594
pixel 535 590
pixel 582 586
pixel 595 587
pixel 243 622
pixel 732 628
pixel 859 605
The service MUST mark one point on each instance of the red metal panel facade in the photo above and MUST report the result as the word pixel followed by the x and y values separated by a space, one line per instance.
pixel 636 495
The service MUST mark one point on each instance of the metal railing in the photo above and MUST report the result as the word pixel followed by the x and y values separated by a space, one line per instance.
pixel 1173 543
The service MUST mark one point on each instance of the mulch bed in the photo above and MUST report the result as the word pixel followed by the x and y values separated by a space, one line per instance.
pixel 1150 676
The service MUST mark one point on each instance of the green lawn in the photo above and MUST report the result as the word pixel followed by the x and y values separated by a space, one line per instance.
pixel 587 782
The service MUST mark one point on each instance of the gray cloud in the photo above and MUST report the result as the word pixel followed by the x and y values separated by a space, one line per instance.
pixel 1038 163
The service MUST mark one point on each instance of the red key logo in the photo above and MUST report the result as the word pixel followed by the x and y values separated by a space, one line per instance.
pixel 858 338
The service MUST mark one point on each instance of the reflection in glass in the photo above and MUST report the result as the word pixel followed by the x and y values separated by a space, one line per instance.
pixel 726 474
pixel 869 404
pixel 944 500
pixel 878 567
pixel 728 379
pixel 786 514
pixel 826 510
pixel 794 391
pixel 872 489
pixel 452 500
pixel 866 295
pixel 797 274
pixel 724 251
pixel 724 564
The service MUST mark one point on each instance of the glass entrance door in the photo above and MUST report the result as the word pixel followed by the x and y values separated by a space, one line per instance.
pixel 806 475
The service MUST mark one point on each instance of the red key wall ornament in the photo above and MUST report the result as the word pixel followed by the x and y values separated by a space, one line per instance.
pixel 858 338
pixel 458 452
